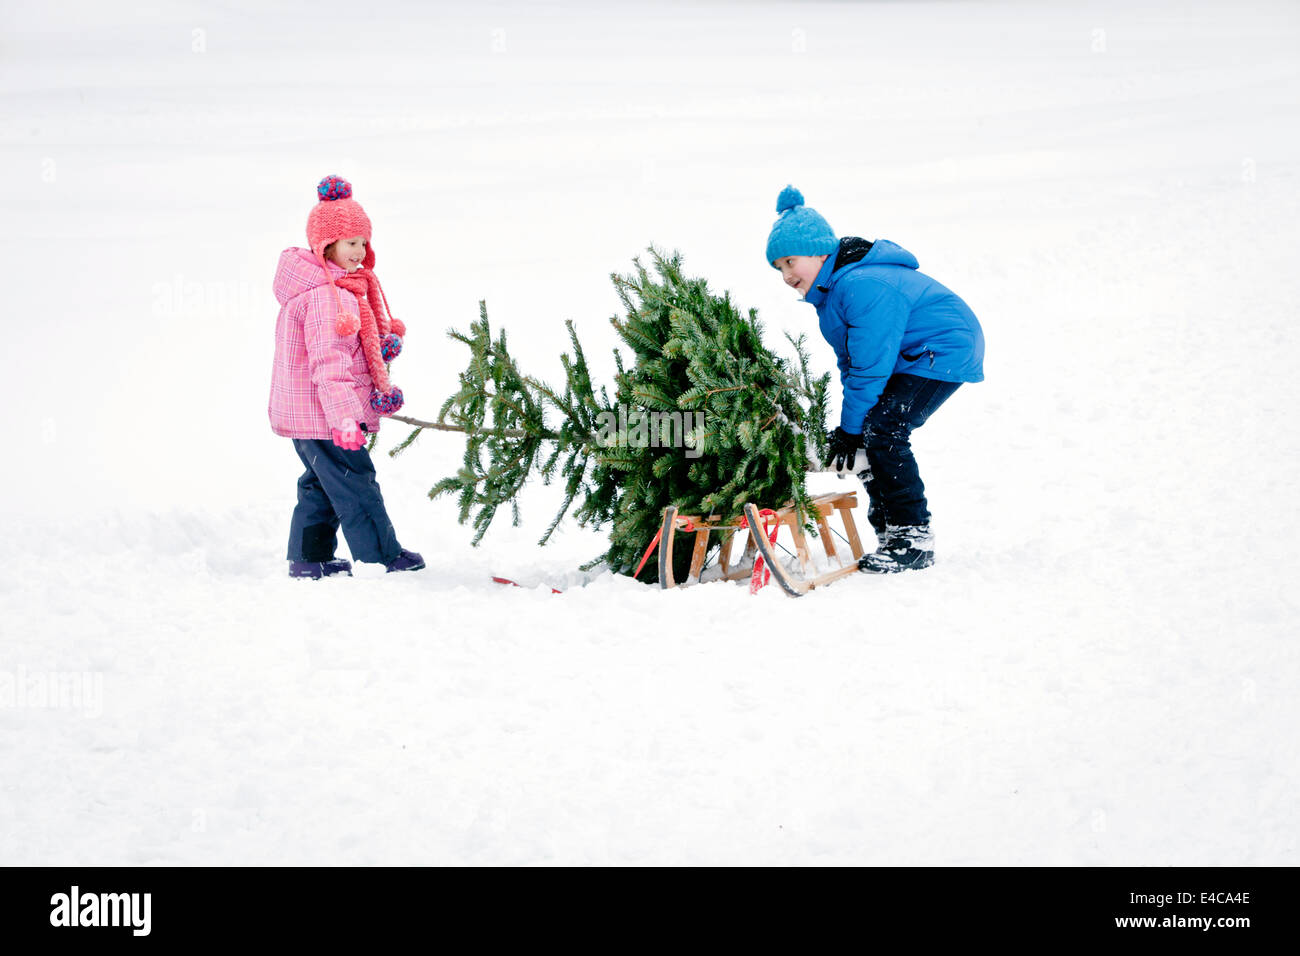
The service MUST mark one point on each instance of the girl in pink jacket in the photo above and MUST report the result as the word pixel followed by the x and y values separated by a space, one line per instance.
pixel 330 387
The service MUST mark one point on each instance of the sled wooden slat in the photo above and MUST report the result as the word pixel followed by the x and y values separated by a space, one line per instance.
pixel 824 529
pixel 698 555
pixel 800 542
pixel 850 527
pixel 724 556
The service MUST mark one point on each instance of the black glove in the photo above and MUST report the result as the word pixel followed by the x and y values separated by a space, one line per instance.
pixel 842 448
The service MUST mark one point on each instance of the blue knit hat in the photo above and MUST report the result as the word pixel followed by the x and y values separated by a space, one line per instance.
pixel 800 230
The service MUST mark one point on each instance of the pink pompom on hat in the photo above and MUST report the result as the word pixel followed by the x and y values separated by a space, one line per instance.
pixel 339 216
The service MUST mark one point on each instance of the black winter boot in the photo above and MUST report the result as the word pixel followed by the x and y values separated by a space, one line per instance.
pixel 906 548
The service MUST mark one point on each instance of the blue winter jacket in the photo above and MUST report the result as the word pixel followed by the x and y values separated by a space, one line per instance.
pixel 881 317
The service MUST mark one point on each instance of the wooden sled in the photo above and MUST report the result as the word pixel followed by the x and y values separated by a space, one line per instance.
pixel 795 585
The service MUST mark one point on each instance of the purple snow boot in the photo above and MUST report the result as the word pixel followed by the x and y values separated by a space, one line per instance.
pixel 319 569
pixel 405 561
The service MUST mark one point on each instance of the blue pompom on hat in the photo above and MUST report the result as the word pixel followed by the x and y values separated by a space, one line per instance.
pixel 800 230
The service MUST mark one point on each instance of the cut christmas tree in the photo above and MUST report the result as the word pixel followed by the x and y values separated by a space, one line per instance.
pixel 704 418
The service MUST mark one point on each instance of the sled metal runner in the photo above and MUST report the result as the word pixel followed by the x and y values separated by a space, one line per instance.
pixel 793 583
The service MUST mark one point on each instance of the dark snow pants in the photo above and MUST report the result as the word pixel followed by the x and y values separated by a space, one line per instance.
pixel 893 483
pixel 339 487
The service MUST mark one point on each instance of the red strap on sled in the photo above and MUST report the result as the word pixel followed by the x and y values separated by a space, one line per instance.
pixel 648 551
pixel 762 573
pixel 688 526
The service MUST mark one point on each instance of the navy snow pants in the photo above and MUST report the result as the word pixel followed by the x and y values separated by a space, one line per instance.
pixel 893 484
pixel 339 487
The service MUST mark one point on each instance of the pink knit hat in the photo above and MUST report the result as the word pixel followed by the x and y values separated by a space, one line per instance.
pixel 339 216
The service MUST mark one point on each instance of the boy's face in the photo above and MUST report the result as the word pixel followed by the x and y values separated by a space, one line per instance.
pixel 348 253
pixel 800 271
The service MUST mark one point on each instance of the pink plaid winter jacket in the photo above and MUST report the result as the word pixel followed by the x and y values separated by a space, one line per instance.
pixel 319 377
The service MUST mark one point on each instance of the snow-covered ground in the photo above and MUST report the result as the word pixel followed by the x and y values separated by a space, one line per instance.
pixel 1101 668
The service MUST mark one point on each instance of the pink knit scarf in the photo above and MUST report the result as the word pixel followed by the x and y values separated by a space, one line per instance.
pixel 376 323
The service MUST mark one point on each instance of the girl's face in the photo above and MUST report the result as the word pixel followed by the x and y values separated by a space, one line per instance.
pixel 800 271
pixel 348 253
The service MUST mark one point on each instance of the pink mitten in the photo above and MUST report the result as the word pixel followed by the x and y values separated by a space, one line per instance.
pixel 349 437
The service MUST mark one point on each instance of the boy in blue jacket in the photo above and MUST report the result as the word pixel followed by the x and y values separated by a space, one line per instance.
pixel 903 342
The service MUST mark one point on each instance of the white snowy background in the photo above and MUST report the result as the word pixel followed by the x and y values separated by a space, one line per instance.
pixel 1101 669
